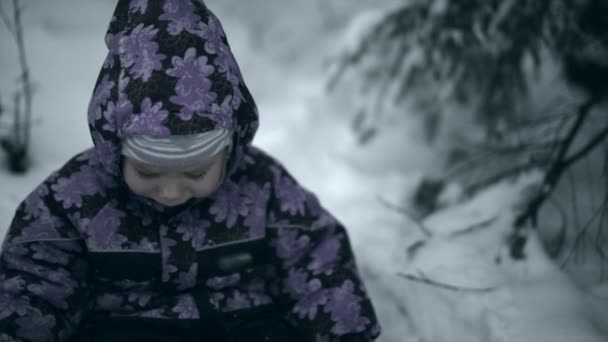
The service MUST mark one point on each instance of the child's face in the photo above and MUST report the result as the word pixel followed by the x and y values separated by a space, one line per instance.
pixel 175 185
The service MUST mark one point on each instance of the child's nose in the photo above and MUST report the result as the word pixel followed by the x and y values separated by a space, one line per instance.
pixel 170 191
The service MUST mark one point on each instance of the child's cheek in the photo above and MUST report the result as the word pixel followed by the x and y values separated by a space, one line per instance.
pixel 209 185
pixel 138 186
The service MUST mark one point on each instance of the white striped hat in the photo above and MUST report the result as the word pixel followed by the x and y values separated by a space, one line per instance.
pixel 177 150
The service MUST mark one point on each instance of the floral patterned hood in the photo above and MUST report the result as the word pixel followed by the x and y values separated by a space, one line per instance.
pixel 169 71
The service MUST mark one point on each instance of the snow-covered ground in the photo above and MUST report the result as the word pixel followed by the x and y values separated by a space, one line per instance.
pixel 525 301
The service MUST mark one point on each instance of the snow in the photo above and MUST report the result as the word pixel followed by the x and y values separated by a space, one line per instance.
pixel 529 300
pixel 493 297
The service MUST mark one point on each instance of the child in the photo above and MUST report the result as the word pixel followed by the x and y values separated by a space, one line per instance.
pixel 173 227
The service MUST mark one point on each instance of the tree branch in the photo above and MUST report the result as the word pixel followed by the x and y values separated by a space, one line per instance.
pixel 580 235
pixel 593 142
pixel 424 280
pixel 557 169
pixel 5 20
pixel 474 227
pixel 25 76
pixel 425 230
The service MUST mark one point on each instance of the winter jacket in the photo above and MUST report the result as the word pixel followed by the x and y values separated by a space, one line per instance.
pixel 83 252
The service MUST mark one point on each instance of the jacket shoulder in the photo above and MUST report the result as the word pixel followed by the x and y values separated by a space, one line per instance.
pixel 67 194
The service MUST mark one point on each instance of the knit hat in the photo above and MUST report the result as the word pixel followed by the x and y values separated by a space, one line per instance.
pixel 177 150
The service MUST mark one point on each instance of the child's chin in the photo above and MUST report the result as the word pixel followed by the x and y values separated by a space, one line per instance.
pixel 171 204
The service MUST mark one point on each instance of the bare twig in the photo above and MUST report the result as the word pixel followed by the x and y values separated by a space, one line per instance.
pixel 425 230
pixel 591 144
pixel 5 20
pixel 582 233
pixel 25 75
pixel 575 202
pixel 474 227
pixel 413 248
pixel 504 174
pixel 555 248
pixel 425 280
pixel 557 169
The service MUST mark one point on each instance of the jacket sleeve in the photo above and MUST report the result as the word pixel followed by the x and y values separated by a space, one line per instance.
pixel 321 291
pixel 42 273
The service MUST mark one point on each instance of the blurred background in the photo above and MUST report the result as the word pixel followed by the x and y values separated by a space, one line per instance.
pixel 393 111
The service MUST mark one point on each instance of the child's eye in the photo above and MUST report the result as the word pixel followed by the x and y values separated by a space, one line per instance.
pixel 197 175
pixel 146 175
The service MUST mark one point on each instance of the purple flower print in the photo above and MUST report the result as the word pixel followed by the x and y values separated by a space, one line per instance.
pixel 218 283
pixel 138 52
pixel 187 279
pixel 180 15
pixel 228 205
pixel 256 291
pixel 100 97
pixel 193 228
pixel 140 299
pixel 78 221
pixel 238 301
pixel 70 191
pixel 117 113
pixel 297 283
pixel 325 255
pixel 108 114
pixel 193 89
pixel 12 285
pixel 149 121
pixel 113 44
pixel 34 205
pixel 154 313
pixel 215 298
pixel 290 246
pixel 103 149
pixel 10 304
pixel 222 114
pixel 56 295
pixel 212 33
pixel 108 301
pixel 103 229
pixel 165 245
pixel 138 6
pixel 245 162
pixel 309 294
pixel 145 245
pixel 237 99
pixel 44 227
pixel 291 197
pixel 322 338
pixel 259 298
pixel 51 255
pixel 60 276
pixel 35 326
pixel 226 64
pixel 345 310
pixel 186 307
pixel 308 305
pixel 256 198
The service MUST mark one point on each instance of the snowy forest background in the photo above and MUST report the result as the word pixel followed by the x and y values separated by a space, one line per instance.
pixel 464 144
